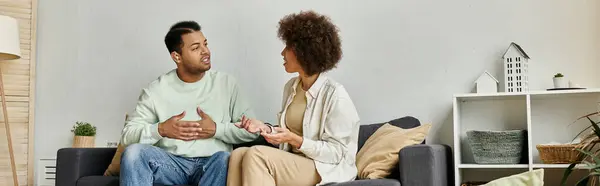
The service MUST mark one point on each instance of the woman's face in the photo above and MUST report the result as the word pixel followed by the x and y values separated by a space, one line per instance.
pixel 290 62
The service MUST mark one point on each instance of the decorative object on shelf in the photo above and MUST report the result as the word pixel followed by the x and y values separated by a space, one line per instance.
pixel 516 73
pixel 9 50
pixel 85 134
pixel 574 85
pixel 592 158
pixel 486 83
pixel 560 153
pixel 497 147
pixel 565 88
pixel 559 81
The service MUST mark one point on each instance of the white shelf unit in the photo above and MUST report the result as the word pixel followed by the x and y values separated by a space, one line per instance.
pixel 547 116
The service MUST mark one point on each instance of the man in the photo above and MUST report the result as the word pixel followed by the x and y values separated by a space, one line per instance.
pixel 182 128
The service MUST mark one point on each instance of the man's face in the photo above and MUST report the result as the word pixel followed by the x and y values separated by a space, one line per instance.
pixel 195 55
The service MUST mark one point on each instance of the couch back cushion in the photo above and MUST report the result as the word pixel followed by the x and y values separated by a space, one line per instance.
pixel 379 156
pixel 366 131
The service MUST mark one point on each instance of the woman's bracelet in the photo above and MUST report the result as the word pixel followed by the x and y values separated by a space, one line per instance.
pixel 272 128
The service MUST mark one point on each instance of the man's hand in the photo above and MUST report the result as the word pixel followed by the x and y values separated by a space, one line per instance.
pixel 176 129
pixel 283 135
pixel 253 125
pixel 209 127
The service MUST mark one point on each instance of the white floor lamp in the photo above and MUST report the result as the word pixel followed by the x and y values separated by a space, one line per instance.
pixel 9 49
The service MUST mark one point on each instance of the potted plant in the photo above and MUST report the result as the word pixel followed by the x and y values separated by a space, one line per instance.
pixel 591 161
pixel 85 134
pixel 559 81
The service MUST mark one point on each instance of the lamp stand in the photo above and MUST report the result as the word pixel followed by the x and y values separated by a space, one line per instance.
pixel 8 137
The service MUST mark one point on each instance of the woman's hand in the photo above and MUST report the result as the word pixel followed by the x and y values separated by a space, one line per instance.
pixel 283 135
pixel 252 125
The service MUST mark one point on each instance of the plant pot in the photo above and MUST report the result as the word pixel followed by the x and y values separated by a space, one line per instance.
pixel 84 141
pixel 559 82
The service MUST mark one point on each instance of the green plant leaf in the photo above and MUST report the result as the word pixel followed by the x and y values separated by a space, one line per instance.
pixel 596 159
pixel 596 128
pixel 582 131
pixel 591 166
pixel 584 181
pixel 83 129
pixel 589 142
pixel 567 173
pixel 584 116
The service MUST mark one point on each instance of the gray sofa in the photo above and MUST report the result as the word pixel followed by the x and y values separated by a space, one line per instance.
pixel 419 165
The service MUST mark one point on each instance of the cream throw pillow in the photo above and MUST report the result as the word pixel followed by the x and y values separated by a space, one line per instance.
pixel 115 165
pixel 529 178
pixel 379 155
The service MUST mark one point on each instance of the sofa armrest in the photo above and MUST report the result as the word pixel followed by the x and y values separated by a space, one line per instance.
pixel 75 163
pixel 426 165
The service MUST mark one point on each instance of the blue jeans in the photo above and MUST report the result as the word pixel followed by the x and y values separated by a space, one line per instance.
pixel 147 164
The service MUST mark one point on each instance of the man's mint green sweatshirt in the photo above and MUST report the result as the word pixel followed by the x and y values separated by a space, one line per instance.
pixel 217 94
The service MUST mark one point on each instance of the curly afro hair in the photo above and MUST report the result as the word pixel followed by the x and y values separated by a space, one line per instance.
pixel 313 38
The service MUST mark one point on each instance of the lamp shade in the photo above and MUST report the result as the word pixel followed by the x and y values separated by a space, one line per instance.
pixel 9 38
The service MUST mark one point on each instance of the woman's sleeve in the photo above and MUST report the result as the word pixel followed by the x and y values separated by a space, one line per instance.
pixel 340 129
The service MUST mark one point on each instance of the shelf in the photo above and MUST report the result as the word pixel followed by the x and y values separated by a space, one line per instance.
pixel 493 166
pixel 497 115
pixel 558 112
pixel 557 166
pixel 546 115
pixel 567 92
pixel 489 96
pixel 512 95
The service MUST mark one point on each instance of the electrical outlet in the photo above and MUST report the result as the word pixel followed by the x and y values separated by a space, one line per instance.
pixel 111 144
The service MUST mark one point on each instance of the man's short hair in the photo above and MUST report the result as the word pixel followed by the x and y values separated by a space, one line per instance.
pixel 173 37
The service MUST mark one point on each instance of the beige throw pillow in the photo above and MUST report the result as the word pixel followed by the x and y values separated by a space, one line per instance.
pixel 115 165
pixel 379 155
pixel 529 178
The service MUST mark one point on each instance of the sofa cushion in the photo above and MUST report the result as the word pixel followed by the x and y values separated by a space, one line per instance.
pixel 103 181
pixel 98 181
pixel 366 131
pixel 379 155
pixel 377 182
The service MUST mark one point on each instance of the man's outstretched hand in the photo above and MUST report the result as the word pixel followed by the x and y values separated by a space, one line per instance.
pixel 188 130
pixel 253 125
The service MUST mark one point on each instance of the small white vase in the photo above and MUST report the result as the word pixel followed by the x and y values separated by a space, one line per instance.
pixel 559 82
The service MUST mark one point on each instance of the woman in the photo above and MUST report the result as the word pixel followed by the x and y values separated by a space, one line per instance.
pixel 318 123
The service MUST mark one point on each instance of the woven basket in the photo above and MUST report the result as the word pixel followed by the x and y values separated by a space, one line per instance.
pixel 497 147
pixel 560 154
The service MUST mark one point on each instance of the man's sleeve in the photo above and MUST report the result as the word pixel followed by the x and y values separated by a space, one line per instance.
pixel 142 125
pixel 238 107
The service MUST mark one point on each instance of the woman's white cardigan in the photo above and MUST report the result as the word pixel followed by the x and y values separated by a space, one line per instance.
pixel 330 128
